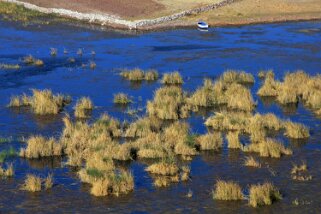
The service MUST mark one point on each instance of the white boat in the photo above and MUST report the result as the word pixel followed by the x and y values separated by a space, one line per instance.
pixel 202 25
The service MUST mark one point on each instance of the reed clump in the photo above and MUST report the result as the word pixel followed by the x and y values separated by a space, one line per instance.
pixel 9 66
pixel 250 161
pixel 138 74
pixel 177 136
pixel 263 194
pixel 144 127
pixel 42 102
pixel 296 130
pixel 122 99
pixel 227 190
pixel 30 60
pixel 38 146
pixel 296 86
pixel 116 183
pixel 270 86
pixel 168 104
pixel 268 148
pixel 240 77
pixel 300 172
pixel 83 107
pixel 210 141
pixel 173 78
pixel 163 168
pixel 135 74
pixel 233 140
pixel 7 172
pixel 151 75
pixel 32 183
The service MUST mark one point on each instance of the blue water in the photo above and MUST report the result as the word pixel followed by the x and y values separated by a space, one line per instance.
pixel 282 47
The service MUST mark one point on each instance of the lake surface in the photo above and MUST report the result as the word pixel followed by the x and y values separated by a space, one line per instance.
pixel 283 47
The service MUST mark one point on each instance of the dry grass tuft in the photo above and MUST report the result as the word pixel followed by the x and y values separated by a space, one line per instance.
pixel 42 102
pixel 168 104
pixel 300 172
pixel 251 162
pixel 210 141
pixel 233 140
pixel 135 74
pixel 30 60
pixel 116 183
pixel 241 77
pixel 227 190
pixel 9 66
pixel 9 172
pixel 151 75
pixel 122 98
pixel 270 87
pixel 165 167
pixel 264 194
pixel 228 121
pixel 144 127
pixel 296 130
pixel 172 78
pixel 48 183
pixel 239 98
pixel 32 183
pixel 268 148
pixel 83 107
pixel 38 146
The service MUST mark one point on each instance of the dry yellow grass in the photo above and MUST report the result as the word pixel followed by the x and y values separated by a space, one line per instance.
pixel 233 140
pixel 8 172
pixel 115 183
pixel 296 130
pixel 263 194
pixel 172 78
pixel 151 75
pixel 270 87
pixel 48 183
pixel 233 76
pixel 299 168
pixel 251 162
pixel 143 127
pixel 32 183
pixel 239 97
pixel 135 74
pixel 228 121
pixel 122 98
pixel 9 66
pixel 227 190
pixel 42 102
pixel 83 107
pixel 210 141
pixel 163 168
pixel 38 146
pixel 168 104
pixel 268 148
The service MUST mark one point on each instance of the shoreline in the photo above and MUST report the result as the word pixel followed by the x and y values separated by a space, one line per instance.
pixel 173 21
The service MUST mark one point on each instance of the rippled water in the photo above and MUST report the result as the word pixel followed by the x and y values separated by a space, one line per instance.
pixel 282 47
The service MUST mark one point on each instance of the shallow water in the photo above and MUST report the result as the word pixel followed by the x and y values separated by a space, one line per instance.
pixel 282 47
